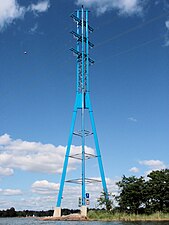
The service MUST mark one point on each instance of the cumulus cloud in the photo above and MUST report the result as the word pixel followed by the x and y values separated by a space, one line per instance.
pixel 35 156
pixel 9 11
pixel 44 187
pixel 6 171
pixel 134 170
pixel 10 192
pixel 5 139
pixel 28 202
pixel 153 164
pixel 72 192
pixel 44 195
pixel 40 7
pixel 125 7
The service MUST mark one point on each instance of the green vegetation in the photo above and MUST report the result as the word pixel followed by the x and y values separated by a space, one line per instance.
pixel 139 196
pixel 105 201
pixel 138 199
pixel 109 216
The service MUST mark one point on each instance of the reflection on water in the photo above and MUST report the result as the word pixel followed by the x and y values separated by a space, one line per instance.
pixel 33 221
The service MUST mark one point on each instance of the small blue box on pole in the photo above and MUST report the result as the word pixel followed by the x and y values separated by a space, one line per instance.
pixel 87 195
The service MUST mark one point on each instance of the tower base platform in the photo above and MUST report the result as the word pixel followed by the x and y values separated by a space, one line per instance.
pixel 81 216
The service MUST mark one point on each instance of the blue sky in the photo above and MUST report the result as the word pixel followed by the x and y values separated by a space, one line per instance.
pixel 129 92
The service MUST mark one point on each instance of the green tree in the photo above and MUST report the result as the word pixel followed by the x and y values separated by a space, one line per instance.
pixel 157 191
pixel 11 212
pixel 131 196
pixel 105 201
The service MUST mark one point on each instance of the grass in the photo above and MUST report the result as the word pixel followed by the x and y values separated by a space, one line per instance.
pixel 109 216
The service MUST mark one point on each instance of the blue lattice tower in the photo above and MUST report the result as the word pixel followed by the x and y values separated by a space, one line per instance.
pixel 82 103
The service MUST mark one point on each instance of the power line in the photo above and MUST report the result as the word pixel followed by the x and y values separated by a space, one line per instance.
pixel 132 29
pixel 133 48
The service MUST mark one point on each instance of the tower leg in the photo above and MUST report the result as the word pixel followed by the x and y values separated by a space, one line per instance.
pixel 97 148
pixel 66 161
pixel 83 155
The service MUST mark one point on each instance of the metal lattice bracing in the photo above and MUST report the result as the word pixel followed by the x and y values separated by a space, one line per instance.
pixel 82 103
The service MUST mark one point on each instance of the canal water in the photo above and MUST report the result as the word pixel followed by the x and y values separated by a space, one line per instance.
pixel 34 221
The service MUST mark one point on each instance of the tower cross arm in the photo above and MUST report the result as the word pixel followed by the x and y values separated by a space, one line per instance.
pixel 79 21
pixel 79 38
pixel 79 55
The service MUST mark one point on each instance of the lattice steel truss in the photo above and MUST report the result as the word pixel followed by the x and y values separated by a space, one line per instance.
pixel 82 103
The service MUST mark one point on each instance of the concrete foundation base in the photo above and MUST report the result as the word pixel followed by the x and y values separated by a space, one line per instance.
pixel 83 210
pixel 57 212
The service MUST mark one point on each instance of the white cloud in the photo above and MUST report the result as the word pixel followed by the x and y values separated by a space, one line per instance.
pixel 30 203
pixel 43 195
pixel 153 164
pixel 72 192
pixel 128 7
pixel 36 157
pixel 10 192
pixel 166 43
pixel 44 187
pixel 134 170
pixel 132 119
pixel 6 171
pixel 9 11
pixel 167 24
pixel 40 7
pixel 4 139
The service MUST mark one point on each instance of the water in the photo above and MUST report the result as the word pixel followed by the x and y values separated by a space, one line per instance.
pixel 33 221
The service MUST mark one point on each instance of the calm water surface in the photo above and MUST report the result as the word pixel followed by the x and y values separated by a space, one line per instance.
pixel 32 221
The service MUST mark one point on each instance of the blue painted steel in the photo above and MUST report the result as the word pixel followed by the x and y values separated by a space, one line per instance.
pixel 82 101
pixel 82 115
pixel 79 38
pixel 87 53
pixel 77 62
pixel 80 22
pixel 97 149
pixel 79 55
pixel 66 158
pixel 83 62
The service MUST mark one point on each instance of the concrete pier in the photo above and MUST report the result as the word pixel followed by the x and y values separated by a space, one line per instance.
pixel 57 212
pixel 83 211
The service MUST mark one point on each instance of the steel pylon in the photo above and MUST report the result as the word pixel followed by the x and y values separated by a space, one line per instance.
pixel 82 103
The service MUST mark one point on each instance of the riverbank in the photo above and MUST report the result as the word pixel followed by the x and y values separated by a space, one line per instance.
pixel 108 216
pixel 71 217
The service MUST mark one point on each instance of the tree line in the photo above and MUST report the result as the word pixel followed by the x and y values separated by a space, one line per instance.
pixel 29 213
pixel 140 195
